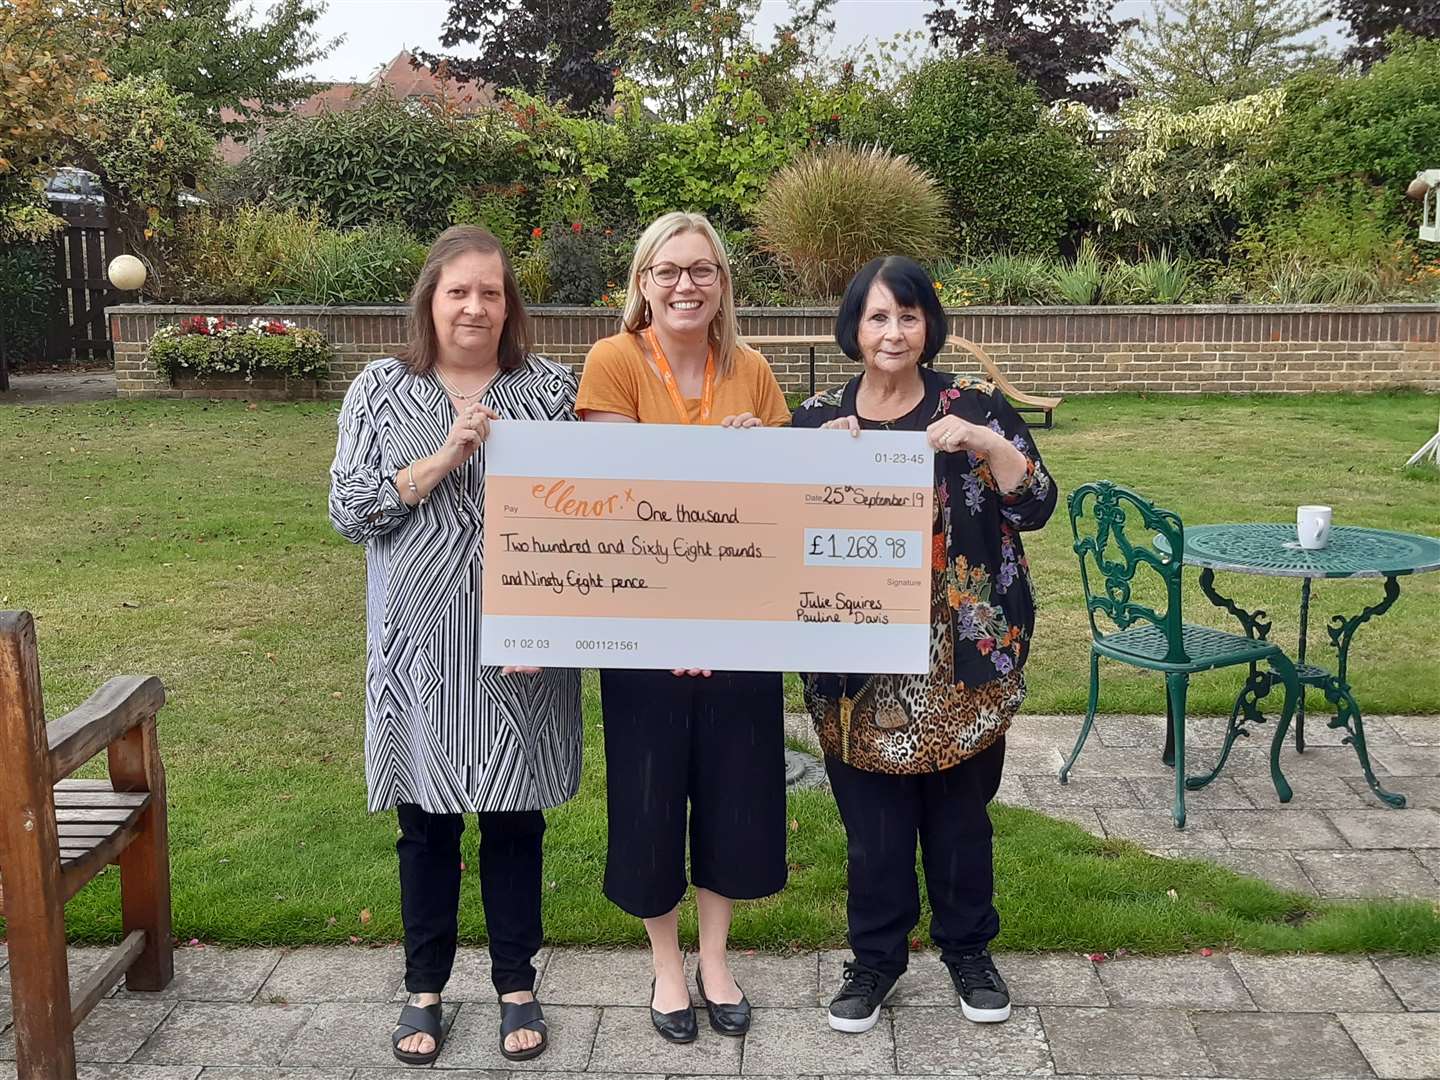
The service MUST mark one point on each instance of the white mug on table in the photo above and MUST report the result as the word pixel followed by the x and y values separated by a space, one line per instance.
pixel 1312 526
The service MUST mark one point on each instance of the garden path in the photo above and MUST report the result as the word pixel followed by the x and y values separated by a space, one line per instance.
pixel 324 1014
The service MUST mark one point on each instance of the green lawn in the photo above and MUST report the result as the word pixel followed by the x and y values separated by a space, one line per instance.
pixel 191 540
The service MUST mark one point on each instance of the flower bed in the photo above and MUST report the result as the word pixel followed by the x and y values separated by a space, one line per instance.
pixel 214 345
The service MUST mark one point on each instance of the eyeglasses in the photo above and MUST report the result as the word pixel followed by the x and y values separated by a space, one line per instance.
pixel 667 274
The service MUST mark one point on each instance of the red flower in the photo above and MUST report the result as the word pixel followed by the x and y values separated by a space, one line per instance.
pixel 537 232
pixel 275 326
pixel 575 227
pixel 195 325
pixel 835 116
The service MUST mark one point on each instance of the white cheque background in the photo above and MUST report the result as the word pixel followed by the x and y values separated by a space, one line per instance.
pixel 678 453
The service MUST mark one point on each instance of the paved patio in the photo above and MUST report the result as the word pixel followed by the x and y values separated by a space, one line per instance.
pixel 324 1014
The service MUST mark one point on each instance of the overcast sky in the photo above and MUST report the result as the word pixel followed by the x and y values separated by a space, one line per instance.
pixel 375 30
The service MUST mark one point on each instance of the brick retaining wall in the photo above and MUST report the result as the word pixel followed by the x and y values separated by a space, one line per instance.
pixel 1189 349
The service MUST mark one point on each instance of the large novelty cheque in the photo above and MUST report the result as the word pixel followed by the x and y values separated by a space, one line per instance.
pixel 666 546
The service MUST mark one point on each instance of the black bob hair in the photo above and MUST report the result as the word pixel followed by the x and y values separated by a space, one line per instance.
pixel 911 286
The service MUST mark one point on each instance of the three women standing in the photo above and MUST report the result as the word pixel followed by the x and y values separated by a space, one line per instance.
pixel 444 735
pixel 712 740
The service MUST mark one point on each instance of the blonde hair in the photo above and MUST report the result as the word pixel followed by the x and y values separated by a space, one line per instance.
pixel 724 327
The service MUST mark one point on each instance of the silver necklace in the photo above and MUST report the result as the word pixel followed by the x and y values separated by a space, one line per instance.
pixel 456 393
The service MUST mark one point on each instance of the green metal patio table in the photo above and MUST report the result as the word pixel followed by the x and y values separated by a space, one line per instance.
pixel 1272 550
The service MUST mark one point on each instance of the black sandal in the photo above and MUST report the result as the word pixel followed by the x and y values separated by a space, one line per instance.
pixel 418 1020
pixel 522 1015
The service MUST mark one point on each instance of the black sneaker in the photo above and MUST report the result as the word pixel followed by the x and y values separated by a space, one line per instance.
pixel 984 997
pixel 856 1007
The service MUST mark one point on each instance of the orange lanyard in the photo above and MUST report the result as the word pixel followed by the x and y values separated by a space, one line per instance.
pixel 707 395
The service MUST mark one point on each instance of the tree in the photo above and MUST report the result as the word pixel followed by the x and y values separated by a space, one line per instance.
pixel 50 52
pixel 679 51
pixel 221 57
pixel 1050 43
pixel 1372 21
pixel 1205 51
pixel 554 48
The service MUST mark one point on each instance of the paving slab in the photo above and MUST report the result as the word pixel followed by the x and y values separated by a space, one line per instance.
pixel 1359 874
pixel 1315 983
pixel 112 1032
pixel 1149 731
pixel 104 1071
pixel 1415 730
pixel 1158 792
pixel 1159 1042
pixel 218 1033
pixel 1419 791
pixel 214 974
pixel 474 1041
pixel 1051 979
pixel 925 982
pixel 1047 793
pixel 1083 816
pixel 470 976
pixel 350 1033
pixel 596 977
pixel 1033 760
pixel 1271 830
pixel 1174 982
pixel 785 1041
pixel 1043 731
pixel 1411 827
pixel 1319 792
pixel 223 1072
pixel 1399 1046
pixel 935 1040
pixel 1430 859
pixel 1098 760
pixel 1416 979
pixel 1401 760
pixel 1155 830
pixel 768 981
pixel 1279 868
pixel 1279 1046
pixel 335 974
pixel 1318 732
pixel 500 1074
pixel 628 1042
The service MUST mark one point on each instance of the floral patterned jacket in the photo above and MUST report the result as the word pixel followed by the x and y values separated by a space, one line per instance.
pixel 977 530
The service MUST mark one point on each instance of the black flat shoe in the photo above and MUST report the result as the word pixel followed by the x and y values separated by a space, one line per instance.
pixel 675 1027
pixel 725 1019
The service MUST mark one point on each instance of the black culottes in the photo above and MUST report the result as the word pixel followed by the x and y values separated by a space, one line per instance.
pixel 716 744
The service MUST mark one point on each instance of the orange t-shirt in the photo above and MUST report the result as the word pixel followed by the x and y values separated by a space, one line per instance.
pixel 618 379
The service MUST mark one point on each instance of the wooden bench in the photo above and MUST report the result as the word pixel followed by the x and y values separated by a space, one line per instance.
pixel 56 834
pixel 1034 404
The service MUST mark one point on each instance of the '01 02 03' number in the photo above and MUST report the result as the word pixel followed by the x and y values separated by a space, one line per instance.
pixel 526 643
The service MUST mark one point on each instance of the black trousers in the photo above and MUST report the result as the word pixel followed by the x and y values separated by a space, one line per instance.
pixel 884 814
pixel 717 743
pixel 429 850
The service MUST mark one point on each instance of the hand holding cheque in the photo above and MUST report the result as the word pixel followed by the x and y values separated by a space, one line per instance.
pixel 660 546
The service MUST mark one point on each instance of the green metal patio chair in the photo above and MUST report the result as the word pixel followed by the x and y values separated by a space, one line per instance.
pixel 1158 640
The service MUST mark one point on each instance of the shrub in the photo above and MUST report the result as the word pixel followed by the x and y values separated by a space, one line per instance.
pixel 26 286
pixel 532 274
pixel 375 265
pixel 384 161
pixel 242 255
pixel 498 210
pixel 1081 281
pixel 575 263
pixel 1015 178
pixel 755 276
pixel 999 279
pixel 833 210
pixel 1156 279
pixel 216 346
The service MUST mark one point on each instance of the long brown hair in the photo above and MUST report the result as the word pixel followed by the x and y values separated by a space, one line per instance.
pixel 421 352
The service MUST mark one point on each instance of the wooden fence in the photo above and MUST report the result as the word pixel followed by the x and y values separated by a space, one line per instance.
pixel 82 252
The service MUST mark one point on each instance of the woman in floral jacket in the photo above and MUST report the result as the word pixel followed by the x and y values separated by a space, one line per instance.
pixel 920 756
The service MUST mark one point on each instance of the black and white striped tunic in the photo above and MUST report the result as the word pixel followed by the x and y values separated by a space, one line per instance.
pixel 441 730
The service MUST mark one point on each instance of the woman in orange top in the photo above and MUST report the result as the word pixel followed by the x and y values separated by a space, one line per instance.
pixel 712 739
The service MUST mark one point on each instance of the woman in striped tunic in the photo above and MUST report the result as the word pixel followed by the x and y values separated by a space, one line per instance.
pixel 444 735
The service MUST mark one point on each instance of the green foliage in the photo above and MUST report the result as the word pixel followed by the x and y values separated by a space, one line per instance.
pixel 1082 280
pixel 498 210
pixel 1379 129
pixel 1200 52
pixel 27 284
pixel 209 346
pixel 576 266
pixel 373 265
pixel 532 274
pixel 998 279
pixel 222 56
pixel 1156 279
pixel 832 210
pixel 1015 179
pixel 144 141
pixel 754 275
pixel 386 160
